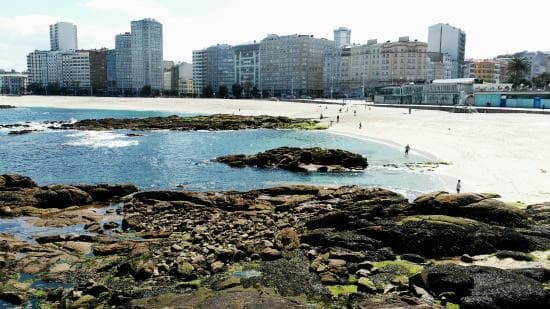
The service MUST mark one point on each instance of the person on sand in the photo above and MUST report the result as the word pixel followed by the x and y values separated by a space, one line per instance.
pixel 355 113
pixel 321 117
pixel 360 126
pixel 407 149
pixel 338 119
pixel 331 122
pixel 458 186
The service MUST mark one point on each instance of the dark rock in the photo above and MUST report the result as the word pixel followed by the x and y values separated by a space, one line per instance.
pixel 382 254
pixel 518 256
pixel 270 254
pixel 300 160
pixel 6 106
pixel 21 132
pixel 110 225
pixel 13 298
pixel 540 274
pixel 105 192
pixel 61 196
pixel 470 205
pixel 480 287
pixel 466 258
pixel 539 212
pixel 212 122
pixel 415 258
pixel 16 181
pixel 96 290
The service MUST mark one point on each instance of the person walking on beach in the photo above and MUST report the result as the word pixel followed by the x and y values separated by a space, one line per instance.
pixel 355 113
pixel 337 118
pixel 458 186
pixel 410 110
pixel 332 121
pixel 407 149
pixel 321 117
pixel 360 126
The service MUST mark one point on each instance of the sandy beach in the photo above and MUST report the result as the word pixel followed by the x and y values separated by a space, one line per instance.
pixel 500 153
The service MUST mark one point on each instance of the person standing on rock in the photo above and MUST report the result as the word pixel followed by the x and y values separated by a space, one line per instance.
pixel 407 149
pixel 458 186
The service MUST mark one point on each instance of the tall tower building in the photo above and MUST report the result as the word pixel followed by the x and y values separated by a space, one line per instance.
pixel 123 61
pixel 147 65
pixel 342 37
pixel 446 39
pixel 63 37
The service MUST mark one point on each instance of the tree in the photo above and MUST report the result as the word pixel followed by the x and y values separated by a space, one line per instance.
pixel 145 91
pixel 542 80
pixel 35 88
pixel 255 92
pixel 53 88
pixel 207 92
pixel 222 91
pixel 237 90
pixel 518 69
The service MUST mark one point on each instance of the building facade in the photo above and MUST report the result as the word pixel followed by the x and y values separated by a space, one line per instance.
pixel 342 37
pixel 110 70
pixel 200 70
pixel 147 54
pixel 293 65
pixel 123 62
pixel 487 70
pixel 13 83
pixel 221 66
pixel 247 67
pixel 63 37
pixel 37 68
pixel 446 39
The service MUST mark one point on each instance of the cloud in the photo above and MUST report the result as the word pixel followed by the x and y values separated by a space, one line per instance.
pixel 130 8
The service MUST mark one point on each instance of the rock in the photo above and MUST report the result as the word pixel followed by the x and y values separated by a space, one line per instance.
pixel 12 297
pixel 16 181
pixel 110 225
pixel 470 205
pixel 300 160
pixel 366 285
pixel 415 258
pixel 518 256
pixel 287 239
pixel 146 271
pixel 228 283
pixel 86 301
pixel 269 254
pixel 6 106
pixel 329 278
pixel 466 258
pixel 96 290
pixel 21 132
pixel 539 213
pixel 6 211
pixel 212 122
pixel 217 266
pixel 479 287
pixel 105 192
pixel 185 269
pixel 133 222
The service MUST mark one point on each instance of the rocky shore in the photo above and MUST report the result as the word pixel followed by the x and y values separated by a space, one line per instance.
pixel 300 160
pixel 6 106
pixel 283 247
pixel 217 122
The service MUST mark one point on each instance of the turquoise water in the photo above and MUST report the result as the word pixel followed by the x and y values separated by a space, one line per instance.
pixel 165 159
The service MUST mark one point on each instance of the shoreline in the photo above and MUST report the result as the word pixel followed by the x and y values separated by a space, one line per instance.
pixel 500 153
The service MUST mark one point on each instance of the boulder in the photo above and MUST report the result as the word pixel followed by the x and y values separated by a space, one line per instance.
pixel 485 287
pixel 300 160
pixel 479 207
pixel 16 181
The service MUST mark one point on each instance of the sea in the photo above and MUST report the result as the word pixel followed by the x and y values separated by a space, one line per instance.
pixel 160 160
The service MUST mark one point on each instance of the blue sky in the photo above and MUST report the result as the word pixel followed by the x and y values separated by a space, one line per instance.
pixel 492 27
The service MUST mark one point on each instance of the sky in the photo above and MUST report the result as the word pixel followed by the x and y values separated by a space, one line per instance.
pixel 492 27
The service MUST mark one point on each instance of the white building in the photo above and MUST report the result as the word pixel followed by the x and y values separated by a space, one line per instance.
pixel 13 83
pixel 342 37
pixel 123 55
pixel 446 39
pixel 63 37
pixel 200 69
pixel 147 61
pixel 37 67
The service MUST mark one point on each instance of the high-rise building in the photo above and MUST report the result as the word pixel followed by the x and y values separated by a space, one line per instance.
pixel 184 79
pixel 168 75
pixel 221 66
pixel 200 70
pixel 147 54
pixel 63 37
pixel 446 39
pixel 342 37
pixel 13 83
pixel 98 71
pixel 110 69
pixel 37 67
pixel 293 64
pixel 123 62
pixel 247 66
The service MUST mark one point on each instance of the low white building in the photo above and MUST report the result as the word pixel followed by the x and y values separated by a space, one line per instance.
pixel 13 83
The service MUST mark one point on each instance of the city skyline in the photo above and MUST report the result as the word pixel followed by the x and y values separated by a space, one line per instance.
pixel 189 26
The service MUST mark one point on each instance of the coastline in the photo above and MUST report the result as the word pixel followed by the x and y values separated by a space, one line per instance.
pixel 497 153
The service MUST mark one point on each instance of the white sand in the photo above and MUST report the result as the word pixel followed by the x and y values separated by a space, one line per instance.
pixel 500 153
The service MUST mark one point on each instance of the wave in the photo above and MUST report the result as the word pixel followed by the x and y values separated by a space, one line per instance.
pixel 100 139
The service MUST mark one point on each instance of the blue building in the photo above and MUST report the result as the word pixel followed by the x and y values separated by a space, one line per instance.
pixel 110 68
pixel 513 99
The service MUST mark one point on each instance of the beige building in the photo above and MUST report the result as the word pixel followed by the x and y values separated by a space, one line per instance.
pixel 487 70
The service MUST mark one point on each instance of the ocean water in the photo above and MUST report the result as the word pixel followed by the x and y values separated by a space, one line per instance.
pixel 166 159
